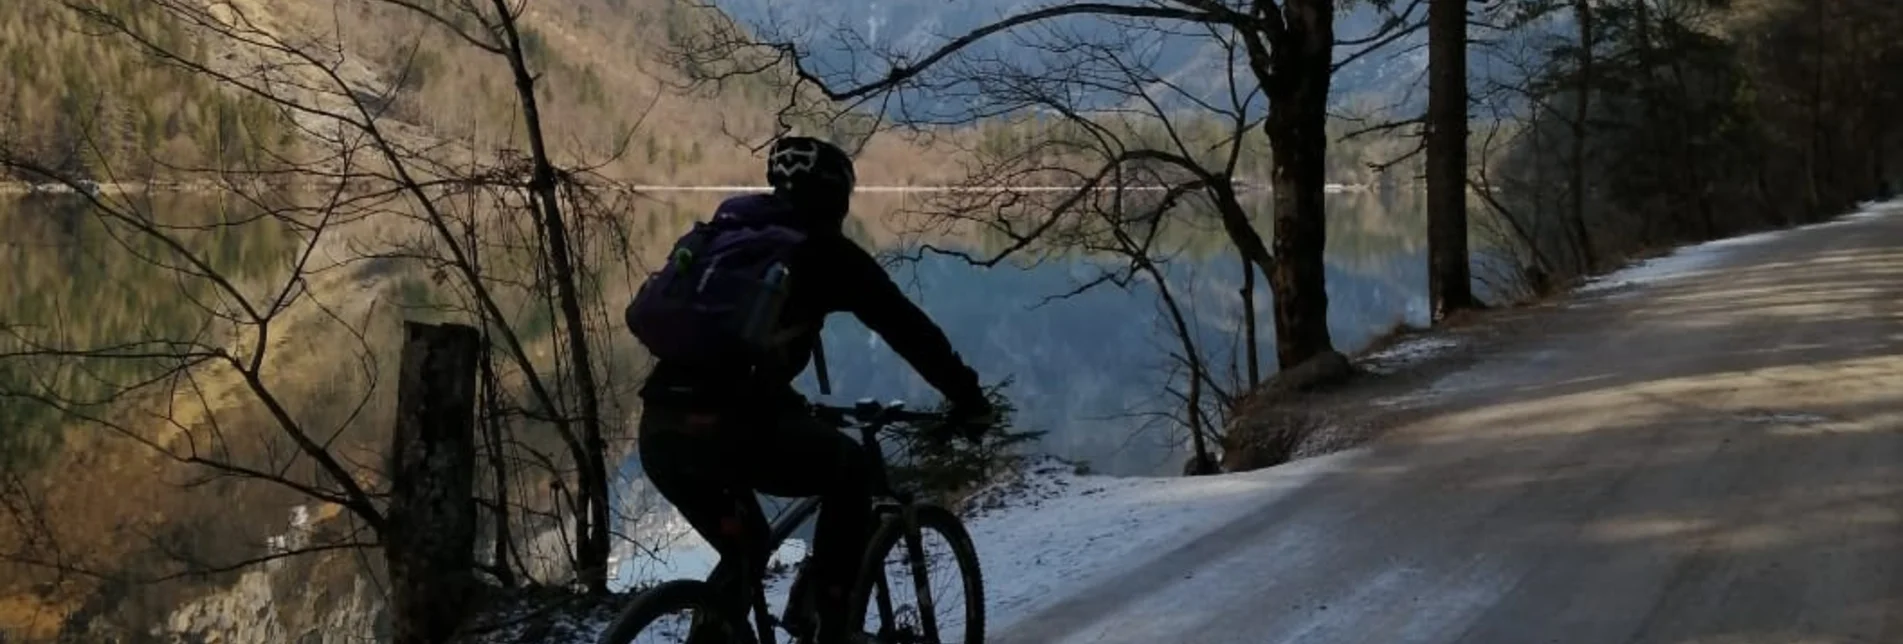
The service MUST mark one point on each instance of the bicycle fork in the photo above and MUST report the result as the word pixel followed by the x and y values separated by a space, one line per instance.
pixel 921 578
pixel 921 590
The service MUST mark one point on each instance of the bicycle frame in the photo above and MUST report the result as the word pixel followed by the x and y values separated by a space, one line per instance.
pixel 885 503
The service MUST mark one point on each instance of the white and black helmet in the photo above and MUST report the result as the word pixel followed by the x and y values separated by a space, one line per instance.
pixel 805 165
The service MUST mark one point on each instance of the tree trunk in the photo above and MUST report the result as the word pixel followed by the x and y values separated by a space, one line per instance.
pixel 1813 161
pixel 1202 462
pixel 1690 161
pixel 1241 231
pixel 1255 256
pixel 492 432
pixel 429 544
pixel 1449 282
pixel 1582 110
pixel 1248 324
pixel 1298 140
pixel 1875 124
pixel 591 565
pixel 1879 177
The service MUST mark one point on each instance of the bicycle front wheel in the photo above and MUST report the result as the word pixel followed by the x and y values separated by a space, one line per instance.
pixel 677 612
pixel 921 587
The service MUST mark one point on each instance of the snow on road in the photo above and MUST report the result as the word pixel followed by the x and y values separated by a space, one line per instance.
pixel 1698 259
pixel 1049 532
pixel 1685 262
pixel 1052 532
pixel 1407 353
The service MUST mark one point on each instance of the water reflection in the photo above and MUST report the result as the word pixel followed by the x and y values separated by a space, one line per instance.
pixel 1083 365
pixel 1080 365
pixel 70 278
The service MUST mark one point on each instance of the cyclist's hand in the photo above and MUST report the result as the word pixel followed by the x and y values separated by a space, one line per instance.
pixel 971 420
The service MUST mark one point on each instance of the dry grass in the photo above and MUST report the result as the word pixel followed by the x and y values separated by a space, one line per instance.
pixel 32 617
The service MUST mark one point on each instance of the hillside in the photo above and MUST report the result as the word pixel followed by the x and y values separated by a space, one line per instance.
pixel 79 101
pixel 1392 75
pixel 101 106
pixel 610 99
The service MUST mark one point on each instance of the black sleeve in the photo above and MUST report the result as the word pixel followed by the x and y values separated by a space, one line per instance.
pixel 866 291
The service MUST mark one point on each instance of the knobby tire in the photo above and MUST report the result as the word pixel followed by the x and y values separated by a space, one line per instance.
pixel 680 595
pixel 868 598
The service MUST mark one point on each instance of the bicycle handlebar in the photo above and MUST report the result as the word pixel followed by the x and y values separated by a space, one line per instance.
pixel 873 414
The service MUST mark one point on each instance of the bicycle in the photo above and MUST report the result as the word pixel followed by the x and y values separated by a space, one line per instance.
pixel 898 516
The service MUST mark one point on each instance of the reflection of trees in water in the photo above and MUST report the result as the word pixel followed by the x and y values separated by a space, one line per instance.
pixel 73 279
pixel 1077 360
pixel 1086 358
pixel 1360 224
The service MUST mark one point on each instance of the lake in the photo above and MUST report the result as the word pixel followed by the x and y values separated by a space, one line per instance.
pixel 1082 367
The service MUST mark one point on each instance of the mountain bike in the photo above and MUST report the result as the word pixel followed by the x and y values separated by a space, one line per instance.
pixel 686 610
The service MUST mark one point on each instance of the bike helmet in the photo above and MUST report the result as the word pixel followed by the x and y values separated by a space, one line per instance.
pixel 814 174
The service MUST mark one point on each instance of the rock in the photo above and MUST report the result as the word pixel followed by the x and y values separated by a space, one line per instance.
pixel 1205 466
pixel 1266 437
pixel 1324 370
pixel 1537 281
pixel 314 599
pixel 1269 424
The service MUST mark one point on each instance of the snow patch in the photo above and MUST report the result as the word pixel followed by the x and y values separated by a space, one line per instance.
pixel 1685 262
pixel 1408 353
pixel 1698 259
pixel 1043 534
pixel 1472 379
pixel 1050 532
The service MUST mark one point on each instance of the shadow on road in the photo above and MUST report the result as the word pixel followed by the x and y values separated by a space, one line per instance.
pixel 1718 459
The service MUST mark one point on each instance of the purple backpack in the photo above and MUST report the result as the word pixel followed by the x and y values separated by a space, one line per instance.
pixel 716 303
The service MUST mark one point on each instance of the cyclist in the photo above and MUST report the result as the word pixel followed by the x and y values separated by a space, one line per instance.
pixel 711 438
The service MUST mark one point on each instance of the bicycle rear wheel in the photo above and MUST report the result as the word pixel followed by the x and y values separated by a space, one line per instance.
pixel 682 611
pixel 899 572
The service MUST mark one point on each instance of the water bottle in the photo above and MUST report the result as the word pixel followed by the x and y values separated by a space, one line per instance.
pixel 764 318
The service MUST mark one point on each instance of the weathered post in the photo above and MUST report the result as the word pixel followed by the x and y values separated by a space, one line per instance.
pixel 430 542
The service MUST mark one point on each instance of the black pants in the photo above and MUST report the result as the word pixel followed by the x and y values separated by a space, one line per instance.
pixel 709 467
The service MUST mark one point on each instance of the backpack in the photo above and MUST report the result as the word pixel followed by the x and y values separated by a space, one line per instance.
pixel 716 303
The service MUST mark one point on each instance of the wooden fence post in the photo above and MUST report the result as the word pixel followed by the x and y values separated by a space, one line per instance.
pixel 429 545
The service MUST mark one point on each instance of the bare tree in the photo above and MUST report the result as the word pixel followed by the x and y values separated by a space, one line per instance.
pixel 1159 160
pixel 1449 282
pixel 1284 51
